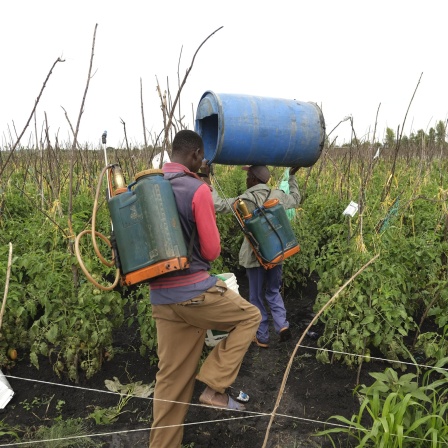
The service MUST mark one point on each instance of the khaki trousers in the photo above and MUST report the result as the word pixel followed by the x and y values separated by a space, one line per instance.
pixel 181 332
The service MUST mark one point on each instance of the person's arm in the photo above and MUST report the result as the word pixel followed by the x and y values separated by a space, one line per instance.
pixel 222 205
pixel 204 215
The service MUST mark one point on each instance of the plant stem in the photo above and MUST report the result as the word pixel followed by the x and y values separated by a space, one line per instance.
pixel 288 368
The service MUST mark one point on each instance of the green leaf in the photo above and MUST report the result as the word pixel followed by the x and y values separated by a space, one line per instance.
pixel 368 319
pixel 52 334
pixel 34 360
pixel 94 337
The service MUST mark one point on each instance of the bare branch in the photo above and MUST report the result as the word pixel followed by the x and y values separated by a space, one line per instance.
pixel 31 115
pixel 170 118
pixel 89 77
pixel 143 114
pixel 397 146
pixel 170 110
pixel 75 142
pixel 8 275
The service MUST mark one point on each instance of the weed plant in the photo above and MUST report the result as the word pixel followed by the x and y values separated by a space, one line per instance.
pixel 399 411
pixel 70 433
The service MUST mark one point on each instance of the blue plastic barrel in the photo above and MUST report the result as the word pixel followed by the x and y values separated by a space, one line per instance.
pixel 254 130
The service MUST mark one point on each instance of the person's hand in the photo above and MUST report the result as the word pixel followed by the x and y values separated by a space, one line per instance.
pixel 293 170
pixel 205 171
pixel 206 168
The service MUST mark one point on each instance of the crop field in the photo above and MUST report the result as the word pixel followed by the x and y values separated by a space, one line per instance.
pixel 380 276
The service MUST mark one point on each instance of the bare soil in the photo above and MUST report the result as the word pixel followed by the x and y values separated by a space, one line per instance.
pixel 313 393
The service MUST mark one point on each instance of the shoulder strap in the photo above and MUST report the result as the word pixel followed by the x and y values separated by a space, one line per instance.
pixel 266 198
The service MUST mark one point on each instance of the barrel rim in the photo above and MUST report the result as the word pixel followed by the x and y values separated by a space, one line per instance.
pixel 220 136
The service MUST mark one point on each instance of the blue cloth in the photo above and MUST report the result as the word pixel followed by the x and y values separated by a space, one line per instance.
pixel 271 280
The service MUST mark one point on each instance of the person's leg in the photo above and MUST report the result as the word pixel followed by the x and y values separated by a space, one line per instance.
pixel 256 278
pixel 225 310
pixel 179 350
pixel 274 298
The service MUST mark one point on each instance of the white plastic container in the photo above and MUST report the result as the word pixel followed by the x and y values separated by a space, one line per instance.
pixel 6 393
pixel 230 280
pixel 212 337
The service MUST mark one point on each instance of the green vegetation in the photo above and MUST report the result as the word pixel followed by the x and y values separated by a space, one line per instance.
pixel 9 431
pixel 397 308
pixel 52 310
pixel 393 304
pixel 106 416
pixel 399 412
pixel 70 433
